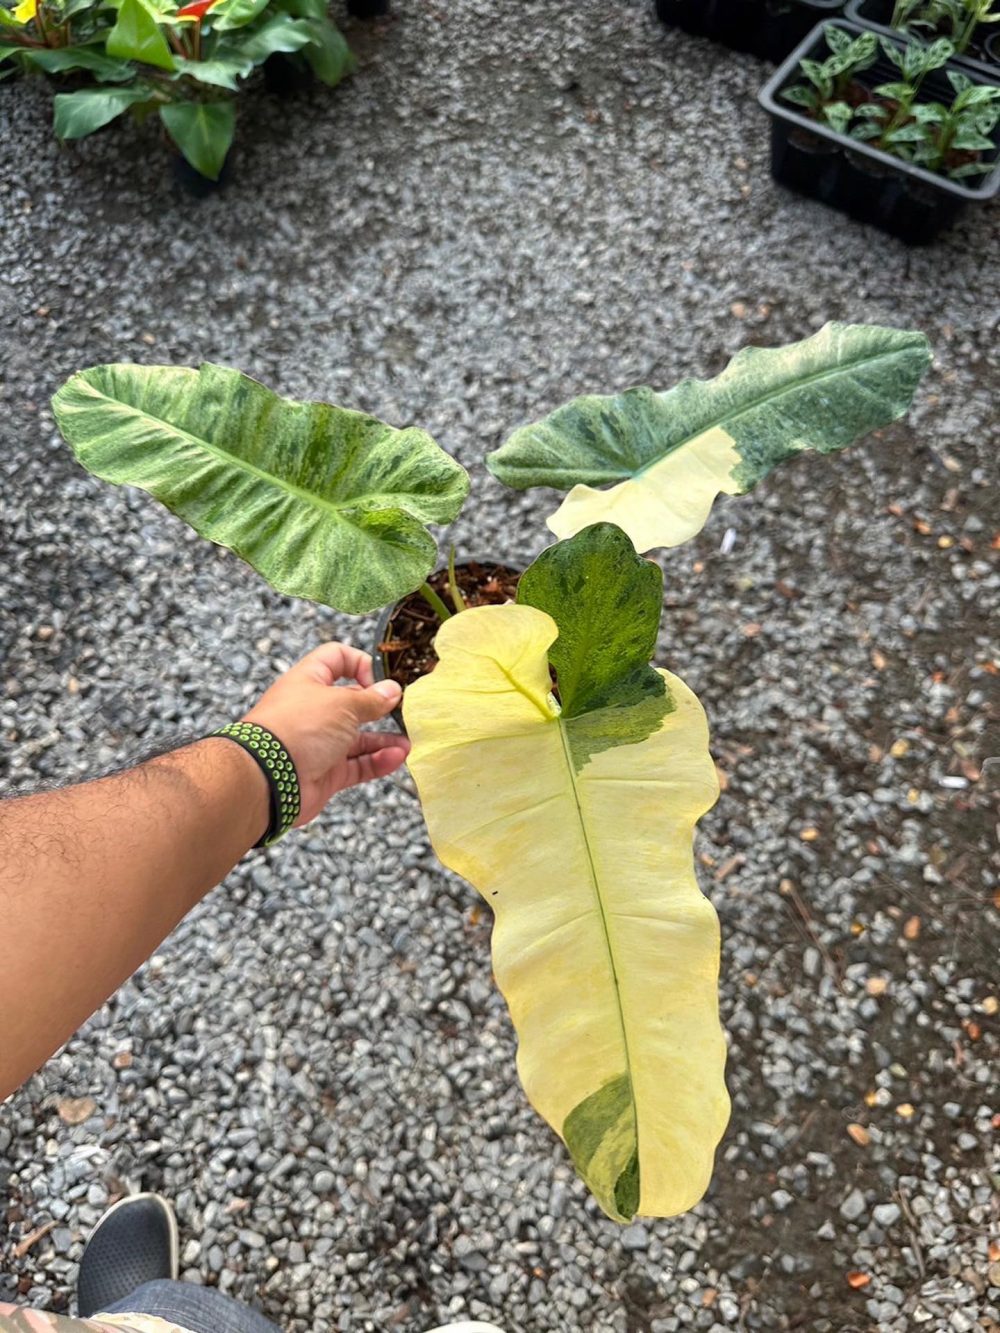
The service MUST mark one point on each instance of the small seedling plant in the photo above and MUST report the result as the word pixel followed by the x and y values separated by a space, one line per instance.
pixel 559 771
pixel 184 63
pixel 957 20
pixel 830 84
pixel 948 138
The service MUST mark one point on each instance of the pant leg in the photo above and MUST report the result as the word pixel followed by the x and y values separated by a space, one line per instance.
pixel 198 1309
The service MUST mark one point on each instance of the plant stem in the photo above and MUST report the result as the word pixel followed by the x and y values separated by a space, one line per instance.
pixel 434 602
pixel 458 600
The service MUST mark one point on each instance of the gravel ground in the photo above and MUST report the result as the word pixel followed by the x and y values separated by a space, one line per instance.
pixel 508 205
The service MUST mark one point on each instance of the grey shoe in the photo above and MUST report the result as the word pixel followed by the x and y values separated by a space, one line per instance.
pixel 134 1242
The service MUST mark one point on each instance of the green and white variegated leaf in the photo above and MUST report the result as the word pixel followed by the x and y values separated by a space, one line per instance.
pixel 326 503
pixel 666 456
pixel 575 823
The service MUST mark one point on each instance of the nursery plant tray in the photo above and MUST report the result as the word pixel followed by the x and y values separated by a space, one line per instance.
pixel 875 15
pixel 765 28
pixel 870 185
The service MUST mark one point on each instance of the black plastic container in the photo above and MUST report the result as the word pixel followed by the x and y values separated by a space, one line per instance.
pixel 193 183
pixel 367 9
pixel 765 28
pixel 907 201
pixel 982 56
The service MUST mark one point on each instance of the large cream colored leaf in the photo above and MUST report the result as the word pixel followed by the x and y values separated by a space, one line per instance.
pixel 604 947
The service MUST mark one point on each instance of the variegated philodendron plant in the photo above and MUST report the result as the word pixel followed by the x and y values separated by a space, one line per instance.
pixel 572 810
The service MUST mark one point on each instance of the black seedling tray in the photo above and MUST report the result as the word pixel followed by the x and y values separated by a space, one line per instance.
pixel 765 28
pixel 875 15
pixel 870 185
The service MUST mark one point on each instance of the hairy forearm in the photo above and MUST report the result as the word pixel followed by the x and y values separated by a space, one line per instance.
pixel 93 877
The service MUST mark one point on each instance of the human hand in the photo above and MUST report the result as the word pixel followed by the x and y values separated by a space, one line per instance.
pixel 319 721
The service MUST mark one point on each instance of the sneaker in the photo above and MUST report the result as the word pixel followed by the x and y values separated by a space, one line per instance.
pixel 134 1242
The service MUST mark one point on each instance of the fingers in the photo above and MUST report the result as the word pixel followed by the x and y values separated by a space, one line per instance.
pixel 369 742
pixel 377 764
pixel 331 662
pixel 372 703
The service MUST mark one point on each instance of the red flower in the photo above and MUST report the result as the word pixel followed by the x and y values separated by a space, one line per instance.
pixel 197 10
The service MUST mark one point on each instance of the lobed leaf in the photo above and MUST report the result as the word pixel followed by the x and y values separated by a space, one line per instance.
pixel 603 945
pixel 672 453
pixel 324 502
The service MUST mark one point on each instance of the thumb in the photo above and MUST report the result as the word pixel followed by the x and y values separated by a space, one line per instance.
pixel 377 701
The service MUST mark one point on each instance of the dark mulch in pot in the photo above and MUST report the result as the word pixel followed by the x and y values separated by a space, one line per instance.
pixel 407 644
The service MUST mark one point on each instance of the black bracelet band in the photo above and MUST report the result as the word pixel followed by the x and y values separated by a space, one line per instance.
pixel 276 765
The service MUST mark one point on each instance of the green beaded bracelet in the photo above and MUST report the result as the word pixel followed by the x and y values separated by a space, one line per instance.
pixel 276 765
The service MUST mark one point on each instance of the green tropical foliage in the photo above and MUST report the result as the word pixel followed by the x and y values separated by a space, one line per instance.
pixel 956 139
pixel 185 63
pixel 954 19
pixel 664 457
pixel 326 503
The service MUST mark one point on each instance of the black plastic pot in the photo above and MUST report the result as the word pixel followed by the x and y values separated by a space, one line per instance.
pixel 287 75
pixel 385 619
pixel 982 57
pixel 909 202
pixel 765 28
pixel 194 183
pixel 367 9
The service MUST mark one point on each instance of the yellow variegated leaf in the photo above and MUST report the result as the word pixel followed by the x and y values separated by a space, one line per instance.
pixel 664 505
pixel 26 11
pixel 673 452
pixel 580 840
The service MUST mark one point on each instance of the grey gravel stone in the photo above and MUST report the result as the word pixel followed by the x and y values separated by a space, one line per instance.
pixel 853 1206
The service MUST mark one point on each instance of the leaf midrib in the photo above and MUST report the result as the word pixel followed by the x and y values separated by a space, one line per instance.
pixel 310 497
pixel 595 881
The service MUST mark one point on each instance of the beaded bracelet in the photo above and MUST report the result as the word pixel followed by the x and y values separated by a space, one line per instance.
pixel 276 765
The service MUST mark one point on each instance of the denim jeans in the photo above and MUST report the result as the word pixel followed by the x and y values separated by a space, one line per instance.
pixel 198 1309
pixel 206 1310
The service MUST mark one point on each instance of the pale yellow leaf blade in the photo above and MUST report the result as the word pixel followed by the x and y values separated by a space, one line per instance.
pixel 665 505
pixel 604 947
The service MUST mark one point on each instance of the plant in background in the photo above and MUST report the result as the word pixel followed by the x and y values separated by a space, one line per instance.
pixel 888 120
pixel 185 63
pixel 955 19
pixel 953 138
pixel 558 770
pixel 827 92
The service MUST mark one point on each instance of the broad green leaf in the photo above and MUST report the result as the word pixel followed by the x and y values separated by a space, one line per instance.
pixel 138 36
pixel 326 503
pixel 203 131
pixel 62 59
pixel 280 33
pixel 673 452
pixel 220 73
pixel 603 945
pixel 77 114
pixel 236 13
pixel 606 601
pixel 328 54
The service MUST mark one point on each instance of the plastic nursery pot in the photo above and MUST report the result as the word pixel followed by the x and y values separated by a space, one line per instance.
pixel 982 56
pixel 403 648
pixel 286 75
pixel 192 182
pixel 909 202
pixel 367 9
pixel 765 28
